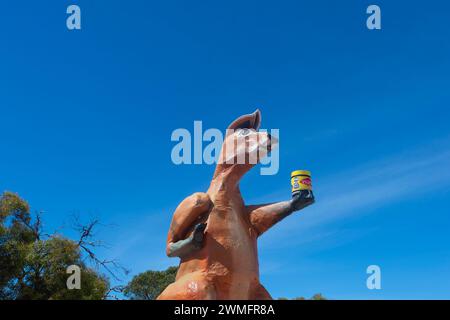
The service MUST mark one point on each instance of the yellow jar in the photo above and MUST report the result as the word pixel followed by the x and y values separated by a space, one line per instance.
pixel 300 180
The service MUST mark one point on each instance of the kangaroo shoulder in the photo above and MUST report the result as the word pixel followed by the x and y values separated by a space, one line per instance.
pixel 198 201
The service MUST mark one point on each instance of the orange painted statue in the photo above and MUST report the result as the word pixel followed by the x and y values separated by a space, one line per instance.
pixel 215 233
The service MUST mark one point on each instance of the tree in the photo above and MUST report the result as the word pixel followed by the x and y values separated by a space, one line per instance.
pixel 44 274
pixel 317 296
pixel 33 264
pixel 148 285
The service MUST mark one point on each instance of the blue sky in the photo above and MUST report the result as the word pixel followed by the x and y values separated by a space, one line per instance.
pixel 86 119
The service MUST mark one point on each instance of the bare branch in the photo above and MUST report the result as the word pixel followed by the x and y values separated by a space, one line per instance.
pixel 110 293
pixel 86 243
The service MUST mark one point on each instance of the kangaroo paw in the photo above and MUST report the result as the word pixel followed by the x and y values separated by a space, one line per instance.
pixel 299 203
pixel 199 234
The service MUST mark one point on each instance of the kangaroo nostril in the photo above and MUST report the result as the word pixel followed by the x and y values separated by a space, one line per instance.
pixel 269 143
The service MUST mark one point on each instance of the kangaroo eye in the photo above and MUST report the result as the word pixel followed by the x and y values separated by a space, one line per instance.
pixel 244 132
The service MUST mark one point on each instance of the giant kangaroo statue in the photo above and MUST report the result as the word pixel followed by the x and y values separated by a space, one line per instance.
pixel 215 233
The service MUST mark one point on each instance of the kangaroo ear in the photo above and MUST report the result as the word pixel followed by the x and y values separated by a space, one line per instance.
pixel 249 121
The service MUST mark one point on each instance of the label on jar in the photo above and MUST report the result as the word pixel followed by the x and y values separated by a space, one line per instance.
pixel 301 182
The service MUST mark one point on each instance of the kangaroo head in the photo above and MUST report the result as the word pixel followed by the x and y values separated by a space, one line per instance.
pixel 244 146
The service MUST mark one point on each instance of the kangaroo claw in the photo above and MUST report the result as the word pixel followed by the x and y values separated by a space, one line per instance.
pixel 199 234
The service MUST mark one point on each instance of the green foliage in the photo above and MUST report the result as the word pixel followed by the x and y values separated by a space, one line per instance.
pixel 317 296
pixel 35 268
pixel 148 285
pixel 46 275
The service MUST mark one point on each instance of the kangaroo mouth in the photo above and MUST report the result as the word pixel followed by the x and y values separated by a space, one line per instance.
pixel 273 142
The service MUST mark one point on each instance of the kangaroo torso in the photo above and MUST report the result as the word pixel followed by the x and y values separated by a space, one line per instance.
pixel 229 256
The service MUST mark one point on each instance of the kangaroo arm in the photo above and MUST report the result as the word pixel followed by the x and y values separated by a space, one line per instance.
pixel 263 217
pixel 186 246
pixel 185 216
pixel 181 248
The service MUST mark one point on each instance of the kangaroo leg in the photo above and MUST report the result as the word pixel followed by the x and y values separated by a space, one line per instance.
pixel 193 286
pixel 260 293
pixel 186 215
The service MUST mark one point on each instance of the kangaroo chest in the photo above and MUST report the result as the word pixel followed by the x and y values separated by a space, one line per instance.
pixel 228 225
pixel 231 243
